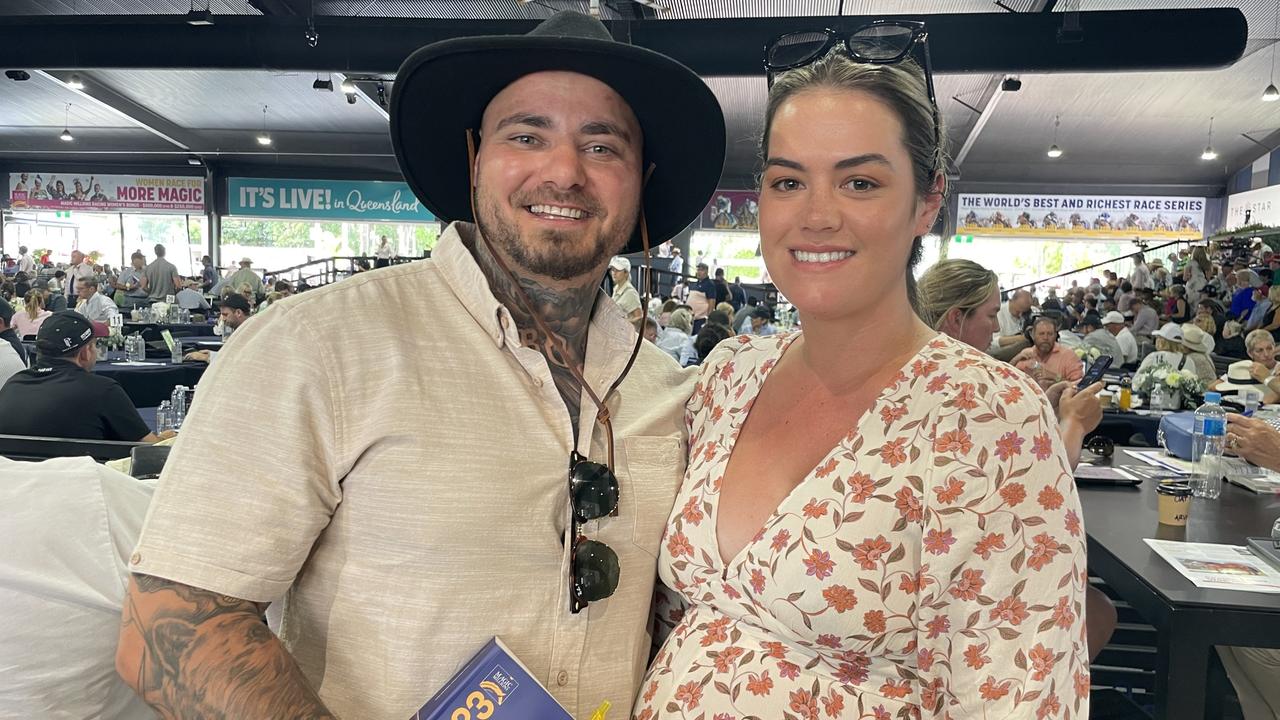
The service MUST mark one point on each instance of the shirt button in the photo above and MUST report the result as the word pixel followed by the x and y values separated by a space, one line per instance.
pixel 136 558
pixel 562 678
pixel 537 382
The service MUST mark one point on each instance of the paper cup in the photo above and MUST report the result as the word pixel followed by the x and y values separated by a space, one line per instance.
pixel 1175 503
pixel 1104 399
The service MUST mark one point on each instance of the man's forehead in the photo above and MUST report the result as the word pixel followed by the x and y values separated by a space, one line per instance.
pixel 539 93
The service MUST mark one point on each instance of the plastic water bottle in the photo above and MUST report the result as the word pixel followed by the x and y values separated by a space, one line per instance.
pixel 164 417
pixel 178 405
pixel 1207 444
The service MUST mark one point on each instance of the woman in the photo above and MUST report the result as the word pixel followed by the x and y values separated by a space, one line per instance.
pixel 383 253
pixel 1269 319
pixel 28 321
pixel 1179 310
pixel 1197 344
pixel 677 338
pixel 1197 275
pixel 826 545
pixel 1168 351
pixel 1262 313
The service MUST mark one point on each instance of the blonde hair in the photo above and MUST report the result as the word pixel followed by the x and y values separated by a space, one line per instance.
pixel 34 302
pixel 1206 323
pixel 1201 258
pixel 1274 294
pixel 681 319
pixel 1255 338
pixel 726 308
pixel 1167 345
pixel 960 284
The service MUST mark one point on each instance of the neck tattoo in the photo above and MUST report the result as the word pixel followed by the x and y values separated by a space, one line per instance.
pixel 566 311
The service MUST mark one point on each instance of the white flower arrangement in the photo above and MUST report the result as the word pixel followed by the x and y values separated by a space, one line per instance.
pixel 1088 353
pixel 1190 385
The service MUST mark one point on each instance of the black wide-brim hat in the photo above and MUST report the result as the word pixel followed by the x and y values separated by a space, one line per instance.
pixel 442 90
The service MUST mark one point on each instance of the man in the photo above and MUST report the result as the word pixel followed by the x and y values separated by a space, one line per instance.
pixel 25 262
pixel 245 276
pixel 161 276
pixel 131 290
pixel 760 322
pixel 1052 303
pixel 233 311
pixel 190 297
pixel 722 287
pixel 208 274
pixel 1145 318
pixel 80 269
pixel 369 524
pixel 1242 301
pixel 1096 336
pixel 13 356
pixel 677 262
pixel 61 397
pixel 1012 317
pixel 737 294
pixel 703 284
pixel 1047 361
pixel 741 315
pixel 93 304
pixel 624 293
pixel 1114 323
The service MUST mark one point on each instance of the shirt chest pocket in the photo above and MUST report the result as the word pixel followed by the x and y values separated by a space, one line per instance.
pixel 655 467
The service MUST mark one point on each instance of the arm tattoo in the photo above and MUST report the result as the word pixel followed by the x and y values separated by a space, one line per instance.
pixel 566 311
pixel 206 655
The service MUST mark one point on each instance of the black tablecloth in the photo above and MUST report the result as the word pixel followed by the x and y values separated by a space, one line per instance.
pixel 149 385
pixel 151 331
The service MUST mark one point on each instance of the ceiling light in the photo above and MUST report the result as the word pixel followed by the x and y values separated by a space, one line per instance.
pixel 265 138
pixel 1055 152
pixel 195 161
pixel 1209 153
pixel 1011 84
pixel 75 83
pixel 322 84
pixel 351 99
pixel 313 37
pixel 199 18
pixel 66 135
pixel 1271 94
pixel 348 87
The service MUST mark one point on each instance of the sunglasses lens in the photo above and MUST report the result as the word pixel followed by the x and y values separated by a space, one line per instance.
pixel 595 490
pixel 595 571
pixel 881 42
pixel 794 49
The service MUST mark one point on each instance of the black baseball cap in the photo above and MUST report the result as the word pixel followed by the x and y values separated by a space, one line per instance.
pixel 68 330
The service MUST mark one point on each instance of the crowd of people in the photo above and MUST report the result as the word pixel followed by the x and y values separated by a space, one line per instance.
pixel 875 516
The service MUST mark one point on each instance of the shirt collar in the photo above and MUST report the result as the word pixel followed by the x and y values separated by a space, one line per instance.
pixel 609 330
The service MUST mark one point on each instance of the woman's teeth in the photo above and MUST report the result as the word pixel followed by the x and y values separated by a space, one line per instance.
pixel 824 257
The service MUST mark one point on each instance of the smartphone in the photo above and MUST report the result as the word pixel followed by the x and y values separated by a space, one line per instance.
pixel 1095 372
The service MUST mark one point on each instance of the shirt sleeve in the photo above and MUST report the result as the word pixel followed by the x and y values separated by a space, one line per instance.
pixel 120 417
pixel 1001 631
pixel 244 495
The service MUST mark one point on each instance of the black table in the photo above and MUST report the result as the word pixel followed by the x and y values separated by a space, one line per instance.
pixel 149 385
pixel 151 331
pixel 1189 621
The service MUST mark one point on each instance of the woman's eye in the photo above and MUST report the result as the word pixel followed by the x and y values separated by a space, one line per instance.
pixel 861 185
pixel 785 184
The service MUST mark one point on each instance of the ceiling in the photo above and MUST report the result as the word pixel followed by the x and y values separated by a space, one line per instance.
pixel 1122 129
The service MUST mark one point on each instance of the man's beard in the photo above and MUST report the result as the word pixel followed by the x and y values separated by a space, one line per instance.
pixel 552 253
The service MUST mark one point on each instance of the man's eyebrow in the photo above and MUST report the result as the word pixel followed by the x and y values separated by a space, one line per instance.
pixel 604 127
pixel 538 121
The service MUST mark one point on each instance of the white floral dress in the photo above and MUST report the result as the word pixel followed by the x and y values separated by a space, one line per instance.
pixel 931 565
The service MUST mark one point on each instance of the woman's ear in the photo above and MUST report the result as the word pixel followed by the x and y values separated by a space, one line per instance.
pixel 930 205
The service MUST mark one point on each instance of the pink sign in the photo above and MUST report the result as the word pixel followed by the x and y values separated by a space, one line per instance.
pixel 107 193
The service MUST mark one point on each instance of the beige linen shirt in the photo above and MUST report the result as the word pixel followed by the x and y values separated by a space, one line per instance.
pixel 403 484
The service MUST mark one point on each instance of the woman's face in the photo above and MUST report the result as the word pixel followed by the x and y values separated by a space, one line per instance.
pixel 977 327
pixel 838 206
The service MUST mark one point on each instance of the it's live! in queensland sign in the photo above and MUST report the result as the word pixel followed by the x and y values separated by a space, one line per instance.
pixel 325 199
pixel 107 193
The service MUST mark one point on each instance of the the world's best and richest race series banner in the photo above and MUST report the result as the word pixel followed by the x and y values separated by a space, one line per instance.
pixel 1081 216
pixel 106 193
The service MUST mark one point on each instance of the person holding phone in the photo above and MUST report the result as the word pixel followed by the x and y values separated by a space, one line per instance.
pixel 1047 361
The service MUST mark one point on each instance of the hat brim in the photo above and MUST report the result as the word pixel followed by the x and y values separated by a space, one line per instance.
pixel 443 89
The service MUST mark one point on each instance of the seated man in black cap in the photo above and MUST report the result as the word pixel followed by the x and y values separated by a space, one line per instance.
pixel 61 397
pixel 8 335
pixel 499 457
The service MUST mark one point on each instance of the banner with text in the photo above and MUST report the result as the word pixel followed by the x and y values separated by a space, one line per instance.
pixel 106 193
pixel 1254 207
pixel 733 210
pixel 325 199
pixel 1082 216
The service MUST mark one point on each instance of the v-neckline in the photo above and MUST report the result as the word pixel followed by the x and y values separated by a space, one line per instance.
pixel 732 444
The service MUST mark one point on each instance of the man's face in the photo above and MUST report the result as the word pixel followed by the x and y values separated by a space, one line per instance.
pixel 232 317
pixel 77 257
pixel 756 324
pixel 1044 337
pixel 557 177
pixel 650 333
pixel 84 290
pixel 702 273
pixel 139 263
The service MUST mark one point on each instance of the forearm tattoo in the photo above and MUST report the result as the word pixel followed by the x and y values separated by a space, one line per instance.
pixel 207 655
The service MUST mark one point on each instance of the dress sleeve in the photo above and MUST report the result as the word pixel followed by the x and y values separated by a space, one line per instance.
pixel 1001 629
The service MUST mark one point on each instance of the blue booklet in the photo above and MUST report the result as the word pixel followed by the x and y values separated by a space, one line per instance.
pixel 493 685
